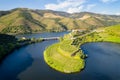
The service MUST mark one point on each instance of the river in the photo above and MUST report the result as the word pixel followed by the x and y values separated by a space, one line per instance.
pixel 27 63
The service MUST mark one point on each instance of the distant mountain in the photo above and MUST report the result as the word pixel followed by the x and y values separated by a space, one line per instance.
pixel 23 20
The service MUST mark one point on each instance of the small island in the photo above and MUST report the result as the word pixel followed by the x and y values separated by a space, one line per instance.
pixel 66 56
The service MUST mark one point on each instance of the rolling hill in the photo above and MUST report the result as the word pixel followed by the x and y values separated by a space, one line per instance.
pixel 23 20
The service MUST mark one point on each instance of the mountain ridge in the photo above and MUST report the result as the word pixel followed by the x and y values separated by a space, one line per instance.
pixel 24 20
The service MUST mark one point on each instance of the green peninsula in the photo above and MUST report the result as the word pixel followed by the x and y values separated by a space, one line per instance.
pixel 66 56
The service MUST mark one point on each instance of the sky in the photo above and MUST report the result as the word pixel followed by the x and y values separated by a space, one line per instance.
pixel 70 6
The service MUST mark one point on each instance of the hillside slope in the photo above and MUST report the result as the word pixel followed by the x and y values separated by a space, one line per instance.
pixel 23 20
pixel 108 34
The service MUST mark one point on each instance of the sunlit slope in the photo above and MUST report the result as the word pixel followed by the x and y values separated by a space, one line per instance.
pixel 19 21
pixel 23 20
pixel 58 56
pixel 108 34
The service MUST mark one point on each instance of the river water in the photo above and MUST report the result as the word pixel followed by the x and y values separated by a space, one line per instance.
pixel 27 63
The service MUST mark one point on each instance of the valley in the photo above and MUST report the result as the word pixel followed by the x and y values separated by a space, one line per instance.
pixel 64 43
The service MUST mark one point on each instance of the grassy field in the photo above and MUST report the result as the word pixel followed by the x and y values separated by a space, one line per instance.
pixel 108 34
pixel 59 57
pixel 111 34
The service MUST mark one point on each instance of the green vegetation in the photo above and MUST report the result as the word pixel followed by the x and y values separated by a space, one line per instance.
pixel 59 56
pixel 9 43
pixel 108 34
pixel 23 20
pixel 66 56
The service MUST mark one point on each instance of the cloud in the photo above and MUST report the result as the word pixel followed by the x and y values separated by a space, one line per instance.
pixel 90 6
pixel 75 9
pixel 107 1
pixel 70 6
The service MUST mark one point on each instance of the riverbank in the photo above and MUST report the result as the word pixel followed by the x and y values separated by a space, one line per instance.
pixel 15 34
pixel 6 47
pixel 59 56
pixel 109 34
pixel 32 58
pixel 55 55
pixel 8 43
